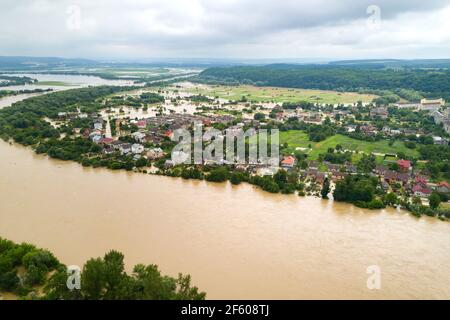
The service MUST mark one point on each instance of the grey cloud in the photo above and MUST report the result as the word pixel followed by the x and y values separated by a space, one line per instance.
pixel 196 27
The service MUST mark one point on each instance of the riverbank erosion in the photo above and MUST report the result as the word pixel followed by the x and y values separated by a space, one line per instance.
pixel 235 241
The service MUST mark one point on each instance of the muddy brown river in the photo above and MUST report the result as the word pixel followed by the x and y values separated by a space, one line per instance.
pixel 237 242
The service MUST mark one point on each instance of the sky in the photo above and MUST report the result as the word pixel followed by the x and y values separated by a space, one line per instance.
pixel 225 29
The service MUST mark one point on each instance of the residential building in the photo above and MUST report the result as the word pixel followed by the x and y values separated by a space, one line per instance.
pixel 288 162
pixel 137 148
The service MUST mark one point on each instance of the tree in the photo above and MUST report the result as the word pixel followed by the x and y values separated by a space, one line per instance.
pixel 218 175
pixel 237 177
pixel 141 162
pixel 435 200
pixel 390 199
pixel 259 116
pixel 280 178
pixel 325 189
pixel 367 163
pixel 92 279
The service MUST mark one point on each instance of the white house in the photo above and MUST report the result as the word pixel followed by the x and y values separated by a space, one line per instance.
pixel 139 136
pixel 98 125
pixel 125 148
pixel 137 148
pixel 155 153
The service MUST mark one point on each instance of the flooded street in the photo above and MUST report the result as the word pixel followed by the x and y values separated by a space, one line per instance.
pixel 236 242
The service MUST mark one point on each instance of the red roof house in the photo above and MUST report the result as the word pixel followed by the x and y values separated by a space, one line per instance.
pixel 288 162
pixel 421 191
pixel 404 165
pixel 443 187
pixel 106 140
pixel 168 133
pixel 141 124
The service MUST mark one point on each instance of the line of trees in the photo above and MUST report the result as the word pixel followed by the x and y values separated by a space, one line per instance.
pixel 100 278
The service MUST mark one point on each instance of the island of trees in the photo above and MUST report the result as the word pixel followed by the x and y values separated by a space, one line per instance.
pixel 34 273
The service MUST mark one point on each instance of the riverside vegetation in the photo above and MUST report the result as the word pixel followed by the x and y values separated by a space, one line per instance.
pixel 34 273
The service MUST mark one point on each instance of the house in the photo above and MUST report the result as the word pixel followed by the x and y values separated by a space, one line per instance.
pixel 125 148
pixel 336 176
pixel 443 187
pixel 379 113
pixel 431 105
pixel 288 162
pixel 117 144
pixel 95 136
pixel 169 163
pixel 155 153
pixel 404 165
pixel 407 105
pixel 137 148
pixel 439 140
pixel 106 141
pixel 139 136
pixel 369 130
pixel 333 167
pixel 141 124
pixel 98 124
pixel 421 180
pixel 447 126
pixel 380 170
pixel 320 177
pixel 351 168
pixel 109 150
pixel 395 177
pixel 168 134
pixel 421 191
pixel 266 171
pixel 438 117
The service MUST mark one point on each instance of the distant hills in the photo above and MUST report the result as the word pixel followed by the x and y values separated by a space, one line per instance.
pixel 39 63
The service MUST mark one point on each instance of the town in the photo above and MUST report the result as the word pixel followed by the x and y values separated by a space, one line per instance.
pixel 322 146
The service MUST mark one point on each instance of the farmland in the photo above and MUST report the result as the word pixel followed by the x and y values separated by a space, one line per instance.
pixel 273 94
pixel 299 139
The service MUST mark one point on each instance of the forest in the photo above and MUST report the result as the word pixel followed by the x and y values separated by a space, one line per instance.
pixel 361 78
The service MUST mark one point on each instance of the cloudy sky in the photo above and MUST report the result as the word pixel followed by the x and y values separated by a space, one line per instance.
pixel 136 29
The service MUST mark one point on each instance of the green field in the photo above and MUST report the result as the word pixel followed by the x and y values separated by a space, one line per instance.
pixel 271 94
pixel 299 139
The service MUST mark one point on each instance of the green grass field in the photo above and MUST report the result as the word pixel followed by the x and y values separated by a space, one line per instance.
pixel 299 139
pixel 269 94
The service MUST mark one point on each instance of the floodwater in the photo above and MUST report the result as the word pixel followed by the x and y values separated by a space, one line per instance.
pixel 237 242
pixel 69 81
pixel 9 100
